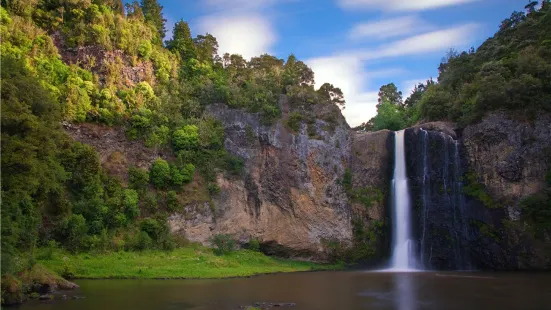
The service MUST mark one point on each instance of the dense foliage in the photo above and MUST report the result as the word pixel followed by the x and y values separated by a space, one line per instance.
pixel 74 61
pixel 510 71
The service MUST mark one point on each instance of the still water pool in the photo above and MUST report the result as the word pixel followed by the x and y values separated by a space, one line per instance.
pixel 318 290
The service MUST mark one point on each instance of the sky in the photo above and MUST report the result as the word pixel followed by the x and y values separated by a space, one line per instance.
pixel 357 45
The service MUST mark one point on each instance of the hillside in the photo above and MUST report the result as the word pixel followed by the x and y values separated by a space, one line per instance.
pixel 105 135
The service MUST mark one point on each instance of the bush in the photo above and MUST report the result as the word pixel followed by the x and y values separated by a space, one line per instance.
pixel 159 174
pixel 186 138
pixel 183 175
pixel 150 202
pixel 294 121
pixel 172 203
pixel 151 227
pixel 254 245
pixel 130 202
pixel 223 244
pixel 138 178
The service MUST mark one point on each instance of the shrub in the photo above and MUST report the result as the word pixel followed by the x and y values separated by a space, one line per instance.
pixel 138 178
pixel 151 227
pixel 172 203
pixel 186 138
pixel 213 189
pixel 179 176
pixel 131 200
pixel 144 49
pixel 159 175
pixel 254 245
pixel 294 121
pixel 234 164
pixel 150 201
pixel 223 244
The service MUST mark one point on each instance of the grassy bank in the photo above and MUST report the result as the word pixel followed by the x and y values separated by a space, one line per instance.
pixel 181 263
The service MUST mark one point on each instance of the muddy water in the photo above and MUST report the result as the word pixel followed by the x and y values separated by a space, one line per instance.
pixel 318 290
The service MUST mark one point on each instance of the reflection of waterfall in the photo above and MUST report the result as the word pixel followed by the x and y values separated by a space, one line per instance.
pixel 403 253
pixel 404 294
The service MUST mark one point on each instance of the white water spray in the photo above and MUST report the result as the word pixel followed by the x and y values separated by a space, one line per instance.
pixel 403 255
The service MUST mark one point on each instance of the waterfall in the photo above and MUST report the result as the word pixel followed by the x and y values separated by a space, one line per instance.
pixel 403 254
pixel 437 190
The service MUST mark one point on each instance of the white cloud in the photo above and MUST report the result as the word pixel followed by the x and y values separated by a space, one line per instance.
pixel 388 28
pixel 249 34
pixel 235 5
pixel 347 72
pixel 424 43
pixel 399 5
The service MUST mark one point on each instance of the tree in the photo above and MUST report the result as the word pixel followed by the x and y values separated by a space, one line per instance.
pixel 332 93
pixel 181 42
pixel 297 73
pixel 417 93
pixel 134 11
pixel 152 12
pixel 531 6
pixel 206 47
pixel 390 94
pixel 159 175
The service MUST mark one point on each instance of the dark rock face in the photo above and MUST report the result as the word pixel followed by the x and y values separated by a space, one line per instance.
pixel 466 187
pixel 442 211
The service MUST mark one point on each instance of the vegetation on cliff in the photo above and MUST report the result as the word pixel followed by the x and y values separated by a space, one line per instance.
pixel 99 61
pixel 510 71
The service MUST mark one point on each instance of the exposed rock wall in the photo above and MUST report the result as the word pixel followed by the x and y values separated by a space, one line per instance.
pixel 467 186
pixel 291 196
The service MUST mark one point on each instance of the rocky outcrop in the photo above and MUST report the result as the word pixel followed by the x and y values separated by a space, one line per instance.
pixel 291 197
pixel 123 69
pixel 117 153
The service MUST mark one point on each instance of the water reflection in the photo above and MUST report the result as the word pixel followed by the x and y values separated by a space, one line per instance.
pixel 405 296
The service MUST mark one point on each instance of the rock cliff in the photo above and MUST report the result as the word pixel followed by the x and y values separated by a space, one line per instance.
pixel 291 196
pixel 467 186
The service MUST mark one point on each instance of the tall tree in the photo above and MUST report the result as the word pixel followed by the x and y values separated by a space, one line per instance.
pixel 134 11
pixel 390 94
pixel 152 11
pixel 207 48
pixel 181 42
pixel 297 73
pixel 332 93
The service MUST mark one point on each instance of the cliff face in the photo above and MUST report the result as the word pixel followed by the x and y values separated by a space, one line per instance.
pixel 291 195
pixel 510 158
pixel 467 186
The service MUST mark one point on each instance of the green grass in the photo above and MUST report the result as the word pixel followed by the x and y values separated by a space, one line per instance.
pixel 181 263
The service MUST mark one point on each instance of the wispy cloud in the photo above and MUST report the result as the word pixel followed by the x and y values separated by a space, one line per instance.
pixel 389 28
pixel 250 34
pixel 399 5
pixel 428 42
pixel 348 73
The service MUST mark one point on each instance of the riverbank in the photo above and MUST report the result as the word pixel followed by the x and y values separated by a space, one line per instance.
pixel 182 263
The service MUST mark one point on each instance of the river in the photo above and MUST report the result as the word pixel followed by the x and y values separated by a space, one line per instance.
pixel 318 290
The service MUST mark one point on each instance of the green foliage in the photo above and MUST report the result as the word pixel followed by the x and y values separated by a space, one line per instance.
pixel 254 245
pixel 186 138
pixel 294 121
pixel 159 174
pixel 182 175
pixel 366 196
pixel 172 203
pixel 130 202
pixel 537 209
pixel 138 178
pixel 474 189
pixel 223 244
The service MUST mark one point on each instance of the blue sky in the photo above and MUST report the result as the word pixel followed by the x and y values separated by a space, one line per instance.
pixel 358 45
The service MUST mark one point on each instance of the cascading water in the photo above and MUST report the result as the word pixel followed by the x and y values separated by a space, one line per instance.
pixel 403 253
